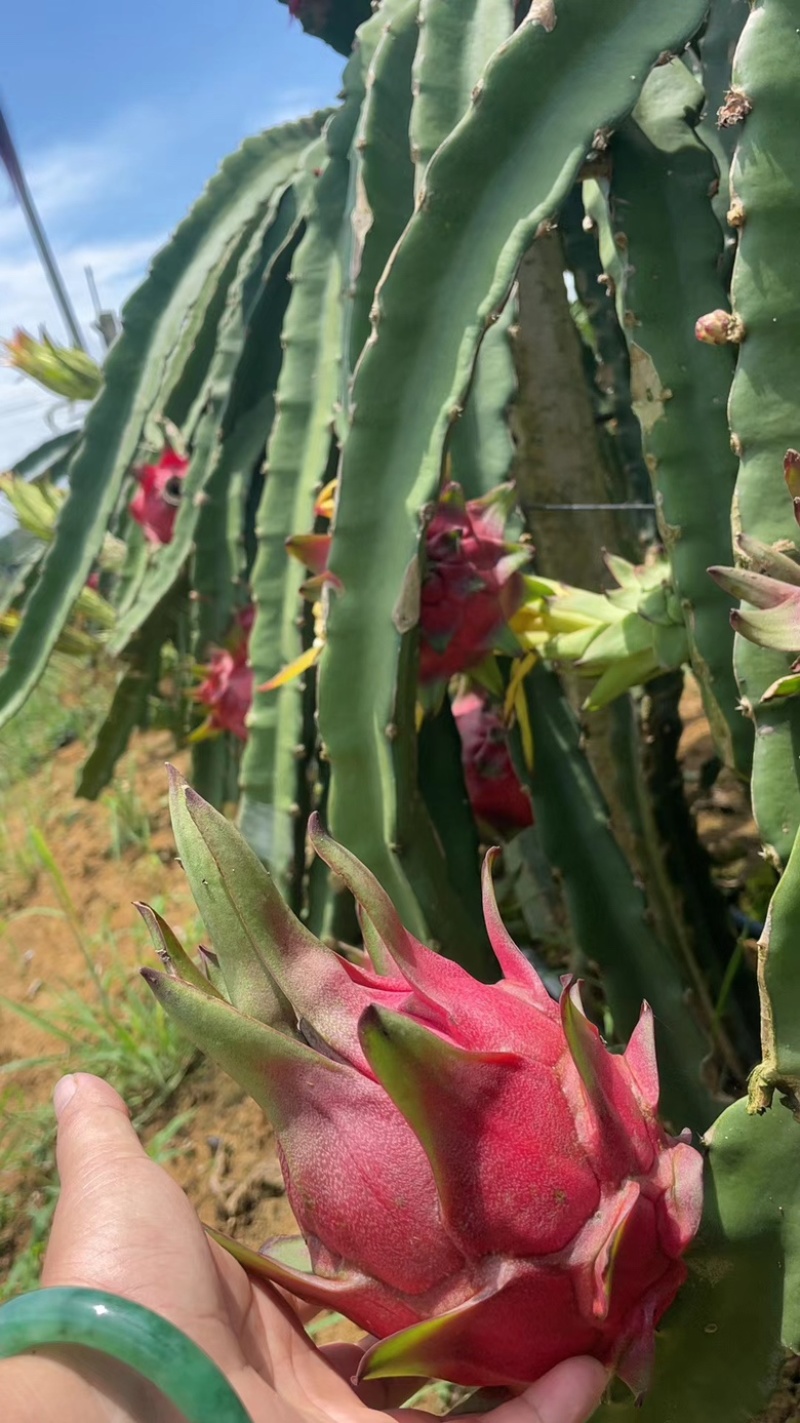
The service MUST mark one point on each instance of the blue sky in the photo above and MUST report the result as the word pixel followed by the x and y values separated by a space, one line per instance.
pixel 121 113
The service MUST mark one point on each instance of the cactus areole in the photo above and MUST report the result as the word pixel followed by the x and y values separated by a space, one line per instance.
pixel 479 1182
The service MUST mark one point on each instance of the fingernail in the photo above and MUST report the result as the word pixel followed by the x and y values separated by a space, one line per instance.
pixel 63 1093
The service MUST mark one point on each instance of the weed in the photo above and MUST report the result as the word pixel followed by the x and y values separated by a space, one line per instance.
pixel 130 822
pixel 112 1027
pixel 63 708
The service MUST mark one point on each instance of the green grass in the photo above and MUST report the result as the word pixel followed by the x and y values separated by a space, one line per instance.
pixel 113 1027
pixel 67 705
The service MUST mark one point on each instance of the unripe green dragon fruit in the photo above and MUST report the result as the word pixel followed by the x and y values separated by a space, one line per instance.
pixel 479 1182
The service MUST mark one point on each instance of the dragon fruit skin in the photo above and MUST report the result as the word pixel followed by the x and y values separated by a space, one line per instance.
pixel 472 585
pixel 493 786
pixel 478 1181
pixel 155 503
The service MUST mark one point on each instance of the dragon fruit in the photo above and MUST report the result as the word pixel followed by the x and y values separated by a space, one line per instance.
pixel 155 503
pixel 228 687
pixel 471 589
pixel 493 786
pixel 479 1183
pixel 472 585
pixel 228 692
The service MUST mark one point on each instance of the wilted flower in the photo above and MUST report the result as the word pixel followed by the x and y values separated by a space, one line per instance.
pixel 155 503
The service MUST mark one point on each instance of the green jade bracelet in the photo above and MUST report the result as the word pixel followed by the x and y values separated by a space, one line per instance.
pixel 130 1333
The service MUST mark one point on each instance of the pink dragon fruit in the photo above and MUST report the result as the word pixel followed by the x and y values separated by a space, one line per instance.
pixel 228 688
pixel 472 584
pixel 471 589
pixel 156 501
pixel 479 1183
pixel 228 692
pixel 493 786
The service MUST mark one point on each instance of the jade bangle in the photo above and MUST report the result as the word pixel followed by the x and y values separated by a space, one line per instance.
pixel 128 1332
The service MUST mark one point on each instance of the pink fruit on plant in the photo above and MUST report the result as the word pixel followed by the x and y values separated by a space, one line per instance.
pixel 228 691
pixel 472 585
pixel 156 501
pixel 479 1183
pixel 493 786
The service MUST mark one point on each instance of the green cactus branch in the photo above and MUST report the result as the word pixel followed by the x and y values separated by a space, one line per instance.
pixel 661 245
pixel 153 319
pixel 384 172
pixel 504 171
pixel 468 32
pixel 763 398
pixel 264 265
pixel 608 911
pixel 718 1353
pixel 297 460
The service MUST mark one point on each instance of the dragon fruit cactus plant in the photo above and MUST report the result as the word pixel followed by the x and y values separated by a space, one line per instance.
pixel 479 1182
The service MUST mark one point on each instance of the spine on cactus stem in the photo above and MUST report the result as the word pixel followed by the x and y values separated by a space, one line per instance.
pixel 667 245
pixel 716 46
pixel 469 37
pixel 153 321
pixel 763 402
pixel 298 455
pixel 502 173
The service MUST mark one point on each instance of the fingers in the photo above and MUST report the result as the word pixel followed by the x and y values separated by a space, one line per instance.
pixel 95 1145
pixel 121 1223
pixel 570 1393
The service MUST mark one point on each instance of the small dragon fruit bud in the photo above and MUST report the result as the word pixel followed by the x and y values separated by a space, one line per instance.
pixel 472 585
pixel 480 1184
pixel 64 370
pixel 156 501
pixel 775 622
pixel 719 327
pixel 493 786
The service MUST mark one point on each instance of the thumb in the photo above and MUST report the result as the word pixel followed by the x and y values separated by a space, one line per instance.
pixel 109 1225
pixel 95 1147
pixel 570 1393
pixel 94 1127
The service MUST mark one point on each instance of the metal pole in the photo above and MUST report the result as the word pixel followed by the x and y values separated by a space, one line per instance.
pixel 8 154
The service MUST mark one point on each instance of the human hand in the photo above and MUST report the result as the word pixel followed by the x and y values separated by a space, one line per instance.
pixel 123 1225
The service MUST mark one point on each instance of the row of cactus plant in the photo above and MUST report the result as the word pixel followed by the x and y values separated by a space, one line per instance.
pixel 328 354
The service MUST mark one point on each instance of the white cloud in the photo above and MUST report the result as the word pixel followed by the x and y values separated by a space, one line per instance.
pixel 72 186
pixel 92 197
